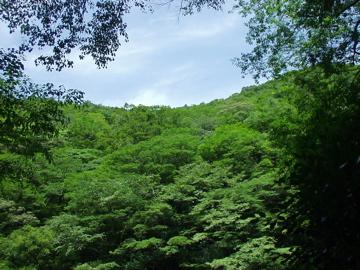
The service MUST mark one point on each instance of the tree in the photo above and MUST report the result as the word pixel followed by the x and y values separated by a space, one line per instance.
pixel 218 191
pixel 321 37
pixel 31 114
pixel 286 34
pixel 289 34
pixel 322 219
pixel 91 27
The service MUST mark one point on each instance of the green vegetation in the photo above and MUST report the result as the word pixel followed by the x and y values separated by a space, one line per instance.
pixel 266 179
pixel 293 34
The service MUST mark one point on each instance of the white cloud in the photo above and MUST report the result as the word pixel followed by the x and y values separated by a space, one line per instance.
pixel 159 92
pixel 169 60
pixel 150 97
pixel 208 29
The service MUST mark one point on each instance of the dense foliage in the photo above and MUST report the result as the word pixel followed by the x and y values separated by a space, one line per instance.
pixel 266 179
pixel 30 114
pixel 295 34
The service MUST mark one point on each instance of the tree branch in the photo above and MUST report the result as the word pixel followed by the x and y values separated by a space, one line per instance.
pixel 347 6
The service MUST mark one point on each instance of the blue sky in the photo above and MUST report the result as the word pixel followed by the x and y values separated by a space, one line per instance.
pixel 169 60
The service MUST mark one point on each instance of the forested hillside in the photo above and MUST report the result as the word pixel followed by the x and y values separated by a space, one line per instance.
pixel 264 179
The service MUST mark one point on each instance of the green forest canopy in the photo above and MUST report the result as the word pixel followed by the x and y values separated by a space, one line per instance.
pixel 266 179
pixel 211 186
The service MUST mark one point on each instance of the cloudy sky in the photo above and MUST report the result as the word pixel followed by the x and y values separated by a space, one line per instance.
pixel 168 61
